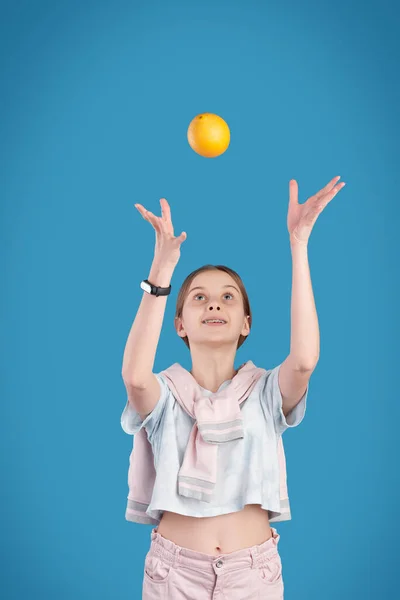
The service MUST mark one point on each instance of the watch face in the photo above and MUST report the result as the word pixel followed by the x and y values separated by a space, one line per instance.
pixel 146 287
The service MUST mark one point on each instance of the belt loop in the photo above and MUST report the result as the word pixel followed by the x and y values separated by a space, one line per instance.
pixel 253 553
pixel 275 536
pixel 176 556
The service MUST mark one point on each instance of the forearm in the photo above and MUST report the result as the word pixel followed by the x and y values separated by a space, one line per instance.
pixel 305 338
pixel 141 346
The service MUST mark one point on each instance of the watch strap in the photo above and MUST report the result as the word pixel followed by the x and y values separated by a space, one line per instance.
pixel 157 290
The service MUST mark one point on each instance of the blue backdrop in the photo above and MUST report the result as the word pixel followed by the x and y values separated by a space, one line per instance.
pixel 96 98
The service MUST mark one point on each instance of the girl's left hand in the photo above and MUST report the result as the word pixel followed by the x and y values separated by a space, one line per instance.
pixel 301 217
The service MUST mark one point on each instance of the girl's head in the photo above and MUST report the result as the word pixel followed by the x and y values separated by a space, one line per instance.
pixel 219 294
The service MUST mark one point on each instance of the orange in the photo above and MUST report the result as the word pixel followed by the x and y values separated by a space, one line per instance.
pixel 208 135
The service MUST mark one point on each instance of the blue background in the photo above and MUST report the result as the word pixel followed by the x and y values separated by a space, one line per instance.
pixel 96 98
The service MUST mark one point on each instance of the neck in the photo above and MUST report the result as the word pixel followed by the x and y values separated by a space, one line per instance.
pixel 211 367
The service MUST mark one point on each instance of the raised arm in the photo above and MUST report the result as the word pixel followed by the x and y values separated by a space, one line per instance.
pixel 140 350
pixel 297 368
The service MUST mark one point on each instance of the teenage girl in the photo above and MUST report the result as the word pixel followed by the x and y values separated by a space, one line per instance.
pixel 232 554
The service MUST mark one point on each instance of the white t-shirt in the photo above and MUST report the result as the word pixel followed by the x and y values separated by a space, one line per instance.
pixel 248 468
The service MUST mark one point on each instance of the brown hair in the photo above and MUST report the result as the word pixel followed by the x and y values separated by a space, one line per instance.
pixel 186 285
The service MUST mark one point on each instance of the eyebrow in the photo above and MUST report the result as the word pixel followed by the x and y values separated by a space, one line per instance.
pixel 199 287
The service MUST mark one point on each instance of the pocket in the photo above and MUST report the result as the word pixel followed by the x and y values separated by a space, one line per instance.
pixel 156 570
pixel 270 569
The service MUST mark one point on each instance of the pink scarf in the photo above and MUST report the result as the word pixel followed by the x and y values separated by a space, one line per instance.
pixel 218 420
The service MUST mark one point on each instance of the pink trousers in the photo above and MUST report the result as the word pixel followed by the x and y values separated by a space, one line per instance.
pixel 176 573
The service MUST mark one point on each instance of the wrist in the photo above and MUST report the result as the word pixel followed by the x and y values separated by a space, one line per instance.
pixel 161 275
pixel 295 244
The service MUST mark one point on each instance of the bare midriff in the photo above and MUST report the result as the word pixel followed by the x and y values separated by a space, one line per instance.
pixel 221 534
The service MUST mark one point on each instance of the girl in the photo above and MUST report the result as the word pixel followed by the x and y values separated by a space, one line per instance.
pixel 215 479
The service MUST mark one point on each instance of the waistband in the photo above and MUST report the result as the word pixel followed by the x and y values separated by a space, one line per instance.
pixel 252 557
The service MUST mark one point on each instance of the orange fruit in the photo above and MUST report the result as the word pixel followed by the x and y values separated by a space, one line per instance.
pixel 208 135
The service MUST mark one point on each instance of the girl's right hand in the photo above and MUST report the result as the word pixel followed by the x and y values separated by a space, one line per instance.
pixel 167 249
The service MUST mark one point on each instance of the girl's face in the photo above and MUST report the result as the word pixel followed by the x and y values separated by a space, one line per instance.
pixel 213 295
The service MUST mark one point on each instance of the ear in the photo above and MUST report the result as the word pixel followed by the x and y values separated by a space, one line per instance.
pixel 180 330
pixel 246 327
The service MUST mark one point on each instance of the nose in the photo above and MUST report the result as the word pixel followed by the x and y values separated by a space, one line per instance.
pixel 211 308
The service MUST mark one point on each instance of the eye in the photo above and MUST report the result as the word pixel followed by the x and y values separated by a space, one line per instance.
pixel 227 294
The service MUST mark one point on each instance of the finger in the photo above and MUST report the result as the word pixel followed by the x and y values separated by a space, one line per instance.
pixel 148 216
pixel 332 193
pixel 141 209
pixel 166 214
pixel 293 192
pixel 155 221
pixel 319 203
pixel 328 187
pixel 165 209
pixel 180 239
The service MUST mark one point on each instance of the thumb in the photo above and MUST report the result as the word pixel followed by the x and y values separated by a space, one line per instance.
pixel 182 237
pixel 293 192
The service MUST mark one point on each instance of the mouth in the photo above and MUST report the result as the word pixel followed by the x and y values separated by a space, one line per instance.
pixel 214 323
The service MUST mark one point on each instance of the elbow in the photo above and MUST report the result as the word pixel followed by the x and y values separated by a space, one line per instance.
pixel 308 366
pixel 130 381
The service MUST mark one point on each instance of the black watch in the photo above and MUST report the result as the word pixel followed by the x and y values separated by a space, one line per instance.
pixel 154 289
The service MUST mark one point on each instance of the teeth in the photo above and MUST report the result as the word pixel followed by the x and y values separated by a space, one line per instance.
pixel 213 321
